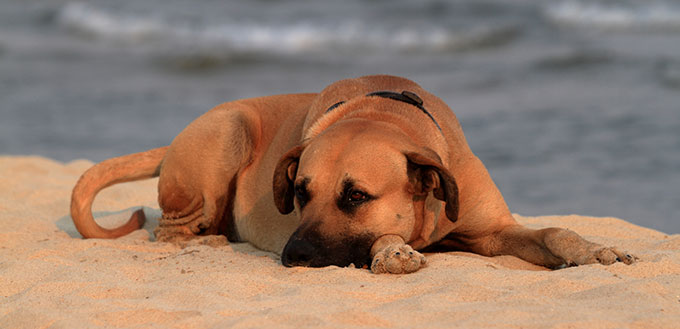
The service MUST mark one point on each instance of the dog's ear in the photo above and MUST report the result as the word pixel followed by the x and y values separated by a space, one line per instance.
pixel 284 178
pixel 427 174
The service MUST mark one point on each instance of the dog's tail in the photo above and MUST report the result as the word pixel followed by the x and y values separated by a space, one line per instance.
pixel 122 169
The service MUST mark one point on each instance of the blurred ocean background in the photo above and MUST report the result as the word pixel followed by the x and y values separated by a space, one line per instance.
pixel 574 106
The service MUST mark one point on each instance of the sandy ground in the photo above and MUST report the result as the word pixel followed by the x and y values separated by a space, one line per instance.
pixel 50 277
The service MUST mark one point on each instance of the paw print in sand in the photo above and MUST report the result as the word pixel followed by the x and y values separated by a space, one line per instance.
pixel 397 259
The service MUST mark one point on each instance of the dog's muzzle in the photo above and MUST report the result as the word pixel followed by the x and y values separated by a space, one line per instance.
pixel 307 247
pixel 298 252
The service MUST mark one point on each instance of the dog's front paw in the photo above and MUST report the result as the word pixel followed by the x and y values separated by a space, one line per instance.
pixel 397 259
pixel 571 249
pixel 597 254
pixel 607 256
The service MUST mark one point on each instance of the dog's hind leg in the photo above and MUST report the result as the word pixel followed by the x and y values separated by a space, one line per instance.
pixel 197 174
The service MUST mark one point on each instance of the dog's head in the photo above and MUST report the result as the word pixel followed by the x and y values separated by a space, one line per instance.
pixel 352 184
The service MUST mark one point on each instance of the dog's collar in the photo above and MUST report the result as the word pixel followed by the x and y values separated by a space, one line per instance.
pixel 405 96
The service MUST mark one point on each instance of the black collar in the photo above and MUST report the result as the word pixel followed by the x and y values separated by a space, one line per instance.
pixel 405 96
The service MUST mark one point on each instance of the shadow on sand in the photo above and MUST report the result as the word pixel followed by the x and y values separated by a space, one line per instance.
pixel 111 219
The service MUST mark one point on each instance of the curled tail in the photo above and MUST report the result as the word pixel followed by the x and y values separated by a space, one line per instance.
pixel 122 169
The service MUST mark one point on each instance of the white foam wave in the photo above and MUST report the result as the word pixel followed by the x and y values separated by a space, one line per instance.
pixel 648 15
pixel 292 38
pixel 89 20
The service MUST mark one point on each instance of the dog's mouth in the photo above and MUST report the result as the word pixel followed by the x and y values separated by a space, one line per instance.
pixel 312 250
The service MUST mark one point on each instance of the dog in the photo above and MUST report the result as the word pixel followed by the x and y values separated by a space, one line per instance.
pixel 366 172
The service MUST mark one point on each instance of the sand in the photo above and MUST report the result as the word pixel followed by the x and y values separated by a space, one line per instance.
pixel 50 277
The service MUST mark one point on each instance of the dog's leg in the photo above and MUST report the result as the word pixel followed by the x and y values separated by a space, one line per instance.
pixel 198 175
pixel 392 255
pixel 191 218
pixel 550 247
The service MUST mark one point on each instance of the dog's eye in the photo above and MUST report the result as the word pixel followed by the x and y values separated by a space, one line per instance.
pixel 357 196
pixel 352 198
pixel 300 192
pixel 301 195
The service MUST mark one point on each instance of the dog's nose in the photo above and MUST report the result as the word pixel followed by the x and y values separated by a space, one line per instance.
pixel 297 252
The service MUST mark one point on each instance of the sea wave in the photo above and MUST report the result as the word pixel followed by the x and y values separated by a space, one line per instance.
pixel 297 37
pixel 616 15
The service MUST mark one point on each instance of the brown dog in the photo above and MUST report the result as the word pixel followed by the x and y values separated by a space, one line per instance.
pixel 373 168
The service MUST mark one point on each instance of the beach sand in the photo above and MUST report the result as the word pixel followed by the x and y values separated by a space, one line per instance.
pixel 50 277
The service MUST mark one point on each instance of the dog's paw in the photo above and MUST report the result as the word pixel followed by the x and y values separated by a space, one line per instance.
pixel 397 259
pixel 599 255
pixel 188 240
pixel 573 250
pixel 214 241
pixel 608 256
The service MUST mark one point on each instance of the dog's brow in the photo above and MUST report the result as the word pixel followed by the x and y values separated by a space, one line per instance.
pixel 347 182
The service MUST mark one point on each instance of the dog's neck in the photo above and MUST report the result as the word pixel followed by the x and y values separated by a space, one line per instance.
pixel 336 111
pixel 408 98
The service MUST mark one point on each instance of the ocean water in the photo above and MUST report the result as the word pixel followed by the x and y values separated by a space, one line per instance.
pixel 574 106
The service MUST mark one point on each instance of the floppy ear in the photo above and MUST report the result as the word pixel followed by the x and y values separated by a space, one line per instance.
pixel 284 177
pixel 429 175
